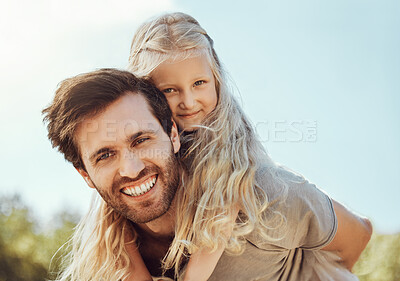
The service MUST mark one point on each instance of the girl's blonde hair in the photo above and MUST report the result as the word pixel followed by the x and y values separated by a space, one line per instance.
pixel 96 250
pixel 224 153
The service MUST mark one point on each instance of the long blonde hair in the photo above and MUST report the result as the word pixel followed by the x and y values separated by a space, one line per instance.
pixel 224 154
pixel 96 250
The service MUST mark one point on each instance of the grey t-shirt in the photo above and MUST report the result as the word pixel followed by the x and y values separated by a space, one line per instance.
pixel 294 252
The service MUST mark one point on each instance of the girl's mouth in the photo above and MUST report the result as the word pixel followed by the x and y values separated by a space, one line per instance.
pixel 189 115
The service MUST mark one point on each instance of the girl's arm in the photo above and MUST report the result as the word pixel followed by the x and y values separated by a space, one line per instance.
pixel 137 268
pixel 203 262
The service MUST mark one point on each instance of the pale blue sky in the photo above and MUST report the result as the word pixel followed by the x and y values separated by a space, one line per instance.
pixel 319 79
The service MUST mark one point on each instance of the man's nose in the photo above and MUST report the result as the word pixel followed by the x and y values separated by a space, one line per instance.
pixel 130 165
pixel 187 100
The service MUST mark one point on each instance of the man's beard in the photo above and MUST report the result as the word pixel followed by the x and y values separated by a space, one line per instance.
pixel 168 180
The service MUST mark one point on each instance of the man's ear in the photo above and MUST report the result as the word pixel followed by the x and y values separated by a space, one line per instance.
pixel 176 143
pixel 86 177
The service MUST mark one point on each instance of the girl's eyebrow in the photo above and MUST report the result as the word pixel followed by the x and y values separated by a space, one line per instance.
pixel 162 85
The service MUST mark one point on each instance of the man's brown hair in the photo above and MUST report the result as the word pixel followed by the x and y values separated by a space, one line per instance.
pixel 86 95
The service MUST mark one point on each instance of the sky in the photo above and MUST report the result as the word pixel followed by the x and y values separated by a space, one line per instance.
pixel 319 80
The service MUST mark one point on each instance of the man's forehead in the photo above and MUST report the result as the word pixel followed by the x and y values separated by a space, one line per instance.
pixel 127 116
pixel 105 128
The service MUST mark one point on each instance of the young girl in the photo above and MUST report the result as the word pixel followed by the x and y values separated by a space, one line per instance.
pixel 226 167
pixel 222 153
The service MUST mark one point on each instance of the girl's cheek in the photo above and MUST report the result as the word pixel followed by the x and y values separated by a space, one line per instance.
pixel 172 106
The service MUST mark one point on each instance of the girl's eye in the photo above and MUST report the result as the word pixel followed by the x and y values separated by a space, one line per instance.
pixel 198 83
pixel 167 91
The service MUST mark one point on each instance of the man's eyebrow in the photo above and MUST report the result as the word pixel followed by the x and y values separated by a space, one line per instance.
pixel 130 138
pixel 134 136
pixel 94 155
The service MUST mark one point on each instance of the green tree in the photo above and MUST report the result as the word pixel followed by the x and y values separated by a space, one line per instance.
pixel 26 248
pixel 380 261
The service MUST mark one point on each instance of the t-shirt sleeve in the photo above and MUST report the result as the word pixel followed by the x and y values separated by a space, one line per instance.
pixel 300 214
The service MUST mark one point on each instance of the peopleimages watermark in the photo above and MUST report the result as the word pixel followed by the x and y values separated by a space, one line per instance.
pixel 268 131
pixel 287 130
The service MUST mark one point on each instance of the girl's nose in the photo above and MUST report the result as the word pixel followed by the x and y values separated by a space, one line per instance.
pixel 187 100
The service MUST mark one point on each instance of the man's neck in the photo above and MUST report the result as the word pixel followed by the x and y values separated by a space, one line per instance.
pixel 154 239
pixel 162 227
pixel 159 228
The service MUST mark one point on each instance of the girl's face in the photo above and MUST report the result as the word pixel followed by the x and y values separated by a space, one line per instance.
pixel 189 87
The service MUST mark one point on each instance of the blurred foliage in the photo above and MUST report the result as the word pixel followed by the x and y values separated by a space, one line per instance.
pixel 380 261
pixel 27 247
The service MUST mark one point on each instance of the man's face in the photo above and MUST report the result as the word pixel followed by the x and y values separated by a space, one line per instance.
pixel 129 159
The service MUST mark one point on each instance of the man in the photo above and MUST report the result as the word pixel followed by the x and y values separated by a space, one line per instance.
pixel 118 133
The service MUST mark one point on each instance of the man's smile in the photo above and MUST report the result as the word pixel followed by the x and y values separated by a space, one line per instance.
pixel 137 190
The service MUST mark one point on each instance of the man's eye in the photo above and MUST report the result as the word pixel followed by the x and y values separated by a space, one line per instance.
pixel 198 83
pixel 104 156
pixel 139 141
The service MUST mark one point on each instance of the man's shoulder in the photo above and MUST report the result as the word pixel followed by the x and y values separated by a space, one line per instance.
pixel 278 182
pixel 297 210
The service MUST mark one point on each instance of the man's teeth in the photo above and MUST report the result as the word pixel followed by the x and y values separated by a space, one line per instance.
pixel 139 190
